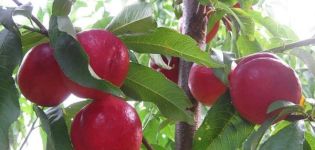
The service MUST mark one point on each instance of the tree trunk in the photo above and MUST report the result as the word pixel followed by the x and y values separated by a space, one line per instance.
pixel 194 24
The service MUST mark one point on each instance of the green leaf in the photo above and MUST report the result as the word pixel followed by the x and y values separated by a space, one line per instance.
pixel 289 138
pixel 24 10
pixel 9 106
pixel 276 29
pixel 169 42
pixel 65 25
pixel 72 110
pixel 247 23
pixel 207 2
pixel 61 7
pixel 7 13
pixel 103 22
pixel 6 19
pixel 137 18
pixel 228 2
pixel 31 39
pixel 74 62
pixel 222 127
pixel 214 18
pixel 309 138
pixel 244 20
pixel 254 140
pixel 10 57
pixel 305 56
pixel 143 83
pixel 247 4
pixel 245 46
pixel 10 50
pixel 52 121
pixel 283 104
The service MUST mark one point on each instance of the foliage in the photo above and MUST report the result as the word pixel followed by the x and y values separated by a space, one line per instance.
pixel 149 27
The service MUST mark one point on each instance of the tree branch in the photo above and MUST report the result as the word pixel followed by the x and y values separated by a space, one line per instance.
pixel 194 25
pixel 146 144
pixel 29 133
pixel 283 48
pixel 42 28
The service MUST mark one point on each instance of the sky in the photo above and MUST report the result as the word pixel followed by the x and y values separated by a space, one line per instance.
pixel 298 15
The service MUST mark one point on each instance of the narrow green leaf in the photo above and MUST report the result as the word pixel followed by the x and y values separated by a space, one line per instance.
pixel 137 18
pixel 289 138
pixel 65 25
pixel 143 83
pixel 61 7
pixel 207 2
pixel 9 106
pixel 222 127
pixel 283 104
pixel 310 139
pixel 245 46
pixel 7 13
pixel 229 2
pixel 169 42
pixel 247 4
pixel 248 24
pixel 214 18
pixel 6 19
pixel 10 50
pixel 253 141
pixel 74 62
pixel 276 29
pixel 52 121
pixel 30 39
pixel 24 10
pixel 72 110
pixel 10 57
pixel 306 56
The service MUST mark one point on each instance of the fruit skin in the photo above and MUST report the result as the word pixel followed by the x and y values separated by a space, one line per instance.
pixel 107 124
pixel 213 32
pixel 84 92
pixel 237 5
pixel 254 56
pixel 40 78
pixel 258 55
pixel 171 74
pixel 204 85
pixel 257 83
pixel 108 58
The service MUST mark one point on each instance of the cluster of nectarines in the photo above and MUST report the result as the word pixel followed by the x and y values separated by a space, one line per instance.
pixel 257 81
pixel 106 123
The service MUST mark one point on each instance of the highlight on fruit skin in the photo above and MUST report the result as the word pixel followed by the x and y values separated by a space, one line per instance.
pixel 260 80
pixel 108 58
pixel 40 78
pixel 107 124
pixel 204 85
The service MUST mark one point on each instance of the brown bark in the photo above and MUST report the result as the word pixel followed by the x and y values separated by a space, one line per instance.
pixel 194 25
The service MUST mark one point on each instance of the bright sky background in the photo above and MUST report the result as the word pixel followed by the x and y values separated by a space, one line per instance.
pixel 297 14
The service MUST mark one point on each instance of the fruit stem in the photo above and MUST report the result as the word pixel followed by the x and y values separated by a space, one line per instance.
pixel 42 28
pixel 146 144
pixel 194 25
